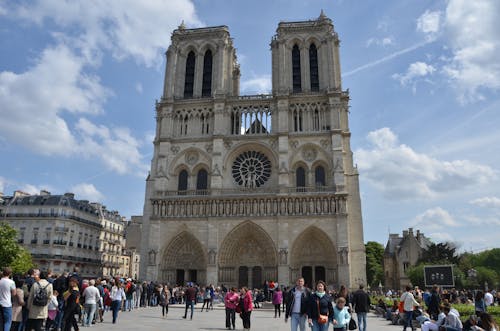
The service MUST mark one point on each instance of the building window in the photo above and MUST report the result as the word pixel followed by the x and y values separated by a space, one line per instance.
pixel 319 174
pixel 206 89
pixel 183 181
pixel 189 79
pixel 300 179
pixel 201 181
pixel 297 85
pixel 313 67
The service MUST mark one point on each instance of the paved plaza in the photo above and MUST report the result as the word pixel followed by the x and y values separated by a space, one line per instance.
pixel 149 319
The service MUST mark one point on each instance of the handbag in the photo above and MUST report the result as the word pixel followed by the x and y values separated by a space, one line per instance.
pixel 322 319
pixel 352 325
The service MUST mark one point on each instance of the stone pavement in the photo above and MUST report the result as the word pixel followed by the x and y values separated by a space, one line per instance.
pixel 150 319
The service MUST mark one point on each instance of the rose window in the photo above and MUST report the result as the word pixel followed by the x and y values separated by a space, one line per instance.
pixel 251 169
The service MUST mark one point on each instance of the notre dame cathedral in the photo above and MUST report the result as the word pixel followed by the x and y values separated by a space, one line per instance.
pixel 244 189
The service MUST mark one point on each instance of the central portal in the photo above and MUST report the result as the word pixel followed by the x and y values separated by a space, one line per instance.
pixel 247 257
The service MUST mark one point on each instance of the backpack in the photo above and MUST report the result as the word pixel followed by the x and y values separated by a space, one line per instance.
pixel 41 298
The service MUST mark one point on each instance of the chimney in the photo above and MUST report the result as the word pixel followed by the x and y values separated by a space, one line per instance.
pixel 405 233
pixel 410 231
pixel 20 194
pixel 69 195
pixel 44 192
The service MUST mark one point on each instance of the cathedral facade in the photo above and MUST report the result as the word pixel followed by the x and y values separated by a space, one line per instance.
pixel 244 189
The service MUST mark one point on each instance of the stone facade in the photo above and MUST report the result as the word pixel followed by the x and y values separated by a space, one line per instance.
pixel 244 189
pixel 401 253
pixel 62 232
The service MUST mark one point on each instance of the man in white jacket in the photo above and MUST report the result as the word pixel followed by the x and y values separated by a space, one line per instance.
pixel 409 303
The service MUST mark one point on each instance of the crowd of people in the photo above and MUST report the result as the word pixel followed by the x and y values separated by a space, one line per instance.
pixel 43 301
pixel 432 309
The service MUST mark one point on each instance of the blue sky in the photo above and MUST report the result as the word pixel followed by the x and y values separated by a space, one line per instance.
pixel 78 82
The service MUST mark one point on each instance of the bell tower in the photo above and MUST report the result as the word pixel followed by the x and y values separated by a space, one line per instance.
pixel 201 63
pixel 305 57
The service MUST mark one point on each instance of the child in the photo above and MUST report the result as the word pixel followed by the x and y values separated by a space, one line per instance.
pixel 52 310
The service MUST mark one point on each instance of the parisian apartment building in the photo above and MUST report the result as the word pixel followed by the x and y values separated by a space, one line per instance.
pixel 62 233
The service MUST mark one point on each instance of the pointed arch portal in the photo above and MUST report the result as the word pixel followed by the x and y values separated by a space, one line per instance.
pixel 247 257
pixel 183 261
pixel 313 257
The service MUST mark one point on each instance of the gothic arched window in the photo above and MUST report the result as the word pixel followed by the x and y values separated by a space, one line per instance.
pixel 300 179
pixel 201 181
pixel 319 174
pixel 183 181
pixel 297 85
pixel 189 79
pixel 206 89
pixel 313 67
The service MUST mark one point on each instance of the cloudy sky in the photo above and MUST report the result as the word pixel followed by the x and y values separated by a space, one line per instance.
pixel 79 79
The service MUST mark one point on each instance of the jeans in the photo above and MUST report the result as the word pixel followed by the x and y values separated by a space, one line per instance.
pixel 245 316
pixel 89 312
pixel 361 321
pixel 115 306
pixel 297 320
pixel 230 318
pixel 6 317
pixel 128 304
pixel 319 327
pixel 408 318
pixel 189 303
pixel 59 317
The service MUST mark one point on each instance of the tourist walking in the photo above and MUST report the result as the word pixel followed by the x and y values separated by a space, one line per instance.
pixel 38 301
pixel 409 303
pixel 361 304
pixel 246 305
pixel 479 304
pixel 52 311
pixel 434 302
pixel 277 301
pixel 341 315
pixel 190 295
pixel 207 297
pixel 320 309
pixel 92 298
pixel 7 291
pixel 71 305
pixel 164 300
pixel 231 300
pixel 296 306
pixel 117 298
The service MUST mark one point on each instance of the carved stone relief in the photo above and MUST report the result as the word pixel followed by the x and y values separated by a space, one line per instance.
pixel 309 154
pixel 192 157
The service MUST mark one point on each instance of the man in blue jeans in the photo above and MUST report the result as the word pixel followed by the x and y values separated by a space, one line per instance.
pixel 190 299
pixel 361 303
pixel 409 303
pixel 7 290
pixel 297 300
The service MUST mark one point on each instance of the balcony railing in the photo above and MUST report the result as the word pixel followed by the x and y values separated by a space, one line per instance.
pixel 46 242
pixel 34 241
pixel 248 191
pixel 59 242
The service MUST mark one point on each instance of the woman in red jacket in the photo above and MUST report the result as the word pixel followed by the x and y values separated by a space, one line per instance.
pixel 246 305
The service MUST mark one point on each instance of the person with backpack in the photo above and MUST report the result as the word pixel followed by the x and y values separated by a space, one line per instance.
pixel 38 301
pixel 129 293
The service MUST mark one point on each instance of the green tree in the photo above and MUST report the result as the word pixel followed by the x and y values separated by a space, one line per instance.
pixel 374 263
pixel 23 262
pixel 489 259
pixel 9 249
pixel 440 253
pixel 11 254
pixel 416 275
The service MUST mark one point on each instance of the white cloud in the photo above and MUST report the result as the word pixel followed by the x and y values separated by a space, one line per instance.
pixel 415 70
pixel 126 28
pixel 86 191
pixel 35 189
pixel 257 85
pixel 138 87
pixel 33 101
pixel 399 172
pixel 116 147
pixel 434 219
pixel 429 23
pixel 489 202
pixel 472 27
pixel 3 183
pixel 386 41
